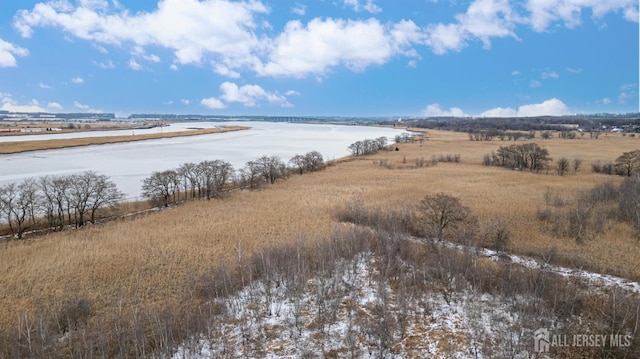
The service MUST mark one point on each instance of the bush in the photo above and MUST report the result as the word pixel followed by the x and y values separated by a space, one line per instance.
pixel 629 200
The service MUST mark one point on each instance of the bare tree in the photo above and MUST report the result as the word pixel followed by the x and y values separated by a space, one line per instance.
pixel 272 168
pixel 20 205
pixel 314 161
pixel 298 163
pixel 629 200
pixel 357 148
pixel 441 212
pixel 562 166
pixel 214 175
pixel 160 188
pixel 628 163
pixel 104 193
pixel 577 163
pixel 190 178
pixel 251 174
pixel 498 234
pixel 87 193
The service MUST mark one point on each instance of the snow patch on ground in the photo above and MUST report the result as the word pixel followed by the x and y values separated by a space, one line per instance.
pixel 359 317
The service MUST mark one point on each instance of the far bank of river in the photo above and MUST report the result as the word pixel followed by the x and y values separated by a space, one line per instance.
pixel 51 144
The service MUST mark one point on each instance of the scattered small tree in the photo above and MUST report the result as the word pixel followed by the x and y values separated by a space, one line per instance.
pixel 562 166
pixel 442 212
pixel 629 200
pixel 577 163
pixel 628 163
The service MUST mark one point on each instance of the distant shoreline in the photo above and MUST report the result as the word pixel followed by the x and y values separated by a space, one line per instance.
pixel 27 146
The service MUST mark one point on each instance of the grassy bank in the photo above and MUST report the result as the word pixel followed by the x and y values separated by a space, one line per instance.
pixel 24 146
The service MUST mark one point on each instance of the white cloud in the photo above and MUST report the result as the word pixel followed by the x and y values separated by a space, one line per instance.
pixel 191 28
pixel 233 36
pixel 627 91
pixel 86 108
pixel 140 52
pixel 552 107
pixel 326 43
pixel 9 104
pixel 173 67
pixel 134 65
pixel 606 101
pixel 499 112
pixel 54 106
pixel 77 80
pixel 368 6
pixel 185 102
pixel 550 75
pixel 44 86
pixel 81 106
pixel 624 96
pixel 8 53
pixel 434 110
pixel 101 49
pixel 225 71
pixel 535 83
pixel 574 70
pixel 248 95
pixel 105 65
pixel 483 20
pixel 213 103
pixel 515 73
pixel 545 12
pixel 292 93
pixel 299 10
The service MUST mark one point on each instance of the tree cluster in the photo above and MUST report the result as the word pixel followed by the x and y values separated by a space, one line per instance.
pixel 310 162
pixel 367 147
pixel 212 179
pixel 56 201
pixel 527 156
pixel 625 165
pixel 203 180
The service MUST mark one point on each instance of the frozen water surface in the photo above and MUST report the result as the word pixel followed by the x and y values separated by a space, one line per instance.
pixel 175 127
pixel 130 162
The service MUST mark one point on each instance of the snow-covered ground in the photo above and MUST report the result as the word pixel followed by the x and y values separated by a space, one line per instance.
pixel 597 280
pixel 359 317
pixel 354 312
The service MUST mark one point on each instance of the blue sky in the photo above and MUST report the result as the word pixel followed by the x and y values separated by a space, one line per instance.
pixel 329 58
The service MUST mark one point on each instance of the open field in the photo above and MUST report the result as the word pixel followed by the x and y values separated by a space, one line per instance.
pixel 148 261
pixel 17 147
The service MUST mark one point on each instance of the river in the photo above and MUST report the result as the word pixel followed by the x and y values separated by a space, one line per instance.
pixel 128 163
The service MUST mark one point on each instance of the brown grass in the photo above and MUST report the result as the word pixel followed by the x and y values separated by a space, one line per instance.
pixel 130 262
pixel 23 146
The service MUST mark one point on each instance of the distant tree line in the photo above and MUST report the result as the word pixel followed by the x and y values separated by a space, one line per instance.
pixel 543 123
pixel 56 201
pixel 489 135
pixel 213 179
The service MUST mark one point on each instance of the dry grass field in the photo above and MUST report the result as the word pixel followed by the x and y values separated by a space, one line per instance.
pixel 151 259
pixel 23 146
